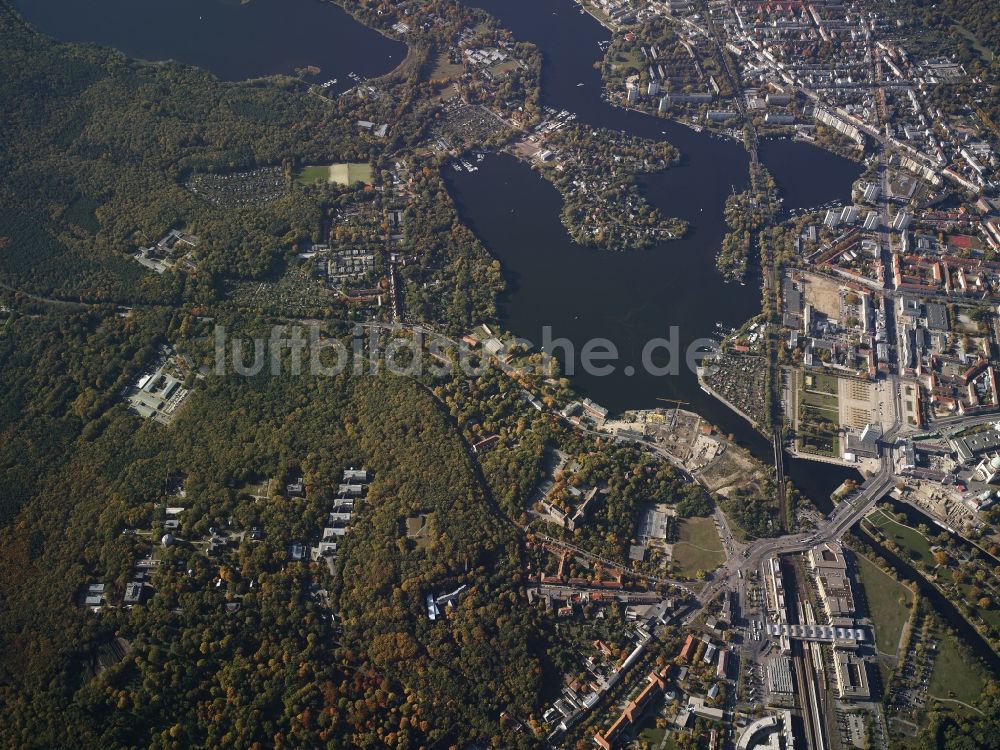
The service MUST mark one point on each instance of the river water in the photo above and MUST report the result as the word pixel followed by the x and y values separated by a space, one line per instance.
pixel 631 297
pixel 948 612
pixel 671 291
pixel 234 40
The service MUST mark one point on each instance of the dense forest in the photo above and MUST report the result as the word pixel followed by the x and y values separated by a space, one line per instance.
pixel 59 374
pixel 238 649
pixel 97 148
pixel 241 640
pixel 235 652
pixel 99 151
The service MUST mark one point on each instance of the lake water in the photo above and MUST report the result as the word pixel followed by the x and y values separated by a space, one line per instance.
pixel 805 179
pixel 232 39
pixel 631 298
pixel 626 298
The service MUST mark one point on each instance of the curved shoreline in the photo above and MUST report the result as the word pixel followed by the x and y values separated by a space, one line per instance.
pixel 230 42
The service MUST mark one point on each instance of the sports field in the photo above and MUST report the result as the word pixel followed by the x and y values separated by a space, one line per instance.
pixel 347 173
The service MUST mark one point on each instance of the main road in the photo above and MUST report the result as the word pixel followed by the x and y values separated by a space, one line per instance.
pixel 844 515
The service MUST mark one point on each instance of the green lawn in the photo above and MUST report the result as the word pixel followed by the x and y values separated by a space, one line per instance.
pixel 917 549
pixel 981 48
pixel 346 173
pixel 350 173
pixel 698 546
pixel 822 382
pixel 954 676
pixel 444 69
pixel 818 415
pixel 913 543
pixel 503 68
pixel 312 175
pixel 889 604
pixel 821 401
pixel 653 735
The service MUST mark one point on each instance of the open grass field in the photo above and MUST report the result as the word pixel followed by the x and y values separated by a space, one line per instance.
pixel 889 604
pixel 349 173
pixel 917 548
pixel 822 382
pixel 954 676
pixel 312 175
pixel 821 401
pixel 502 69
pixel 913 543
pixel 980 47
pixel 445 70
pixel 340 174
pixel 698 546
pixel 820 391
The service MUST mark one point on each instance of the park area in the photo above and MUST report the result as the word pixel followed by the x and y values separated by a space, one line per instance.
pixel 818 417
pixel 698 547
pixel 914 545
pixel 345 174
pixel 889 604
pixel 955 676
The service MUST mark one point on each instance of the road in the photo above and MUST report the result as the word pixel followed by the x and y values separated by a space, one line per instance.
pixel 748 558
pixel 606 562
pixel 732 547
pixel 962 422
pixel 872 132
pixel 739 95
pixel 844 515
pixel 79 305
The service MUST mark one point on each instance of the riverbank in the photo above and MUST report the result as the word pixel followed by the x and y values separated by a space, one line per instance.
pixel 596 172
pixel 942 573
pixel 731 406
pixel 671 291
pixel 597 16
pixel 941 604
pixel 872 468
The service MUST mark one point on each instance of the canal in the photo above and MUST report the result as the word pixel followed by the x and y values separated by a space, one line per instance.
pixel 234 40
